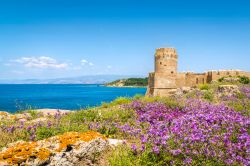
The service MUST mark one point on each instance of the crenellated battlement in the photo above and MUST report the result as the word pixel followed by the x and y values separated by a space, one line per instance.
pixel 166 53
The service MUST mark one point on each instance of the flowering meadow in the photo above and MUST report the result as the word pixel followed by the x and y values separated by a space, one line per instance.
pixel 199 133
pixel 206 126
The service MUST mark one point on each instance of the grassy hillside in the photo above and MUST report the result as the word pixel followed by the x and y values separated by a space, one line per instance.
pixel 208 125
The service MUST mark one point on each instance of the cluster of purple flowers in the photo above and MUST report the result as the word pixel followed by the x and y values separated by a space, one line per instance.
pixel 31 128
pixel 246 91
pixel 199 130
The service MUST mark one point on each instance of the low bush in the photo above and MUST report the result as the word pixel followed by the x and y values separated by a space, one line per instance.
pixel 244 80
pixel 120 101
pixel 208 95
pixel 204 87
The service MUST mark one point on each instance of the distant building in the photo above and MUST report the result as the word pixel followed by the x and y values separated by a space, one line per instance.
pixel 165 80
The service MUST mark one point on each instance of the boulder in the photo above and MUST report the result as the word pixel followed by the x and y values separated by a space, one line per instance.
pixel 67 149
pixel 81 151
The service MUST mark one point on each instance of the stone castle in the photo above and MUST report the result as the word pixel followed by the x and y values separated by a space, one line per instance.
pixel 165 80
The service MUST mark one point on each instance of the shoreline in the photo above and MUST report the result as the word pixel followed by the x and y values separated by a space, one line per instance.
pixel 113 86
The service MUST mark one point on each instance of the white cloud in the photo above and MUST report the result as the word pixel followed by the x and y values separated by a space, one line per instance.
pixel 41 62
pixel 85 62
pixel 109 67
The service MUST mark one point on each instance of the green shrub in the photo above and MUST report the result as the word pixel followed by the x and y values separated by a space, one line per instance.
pixel 34 114
pixel 105 105
pixel 43 132
pixel 208 95
pixel 244 80
pixel 122 156
pixel 221 79
pixel 79 116
pixel 204 87
pixel 171 103
pixel 138 96
pixel 121 100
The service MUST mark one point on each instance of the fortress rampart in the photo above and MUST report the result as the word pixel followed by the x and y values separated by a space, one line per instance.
pixel 165 80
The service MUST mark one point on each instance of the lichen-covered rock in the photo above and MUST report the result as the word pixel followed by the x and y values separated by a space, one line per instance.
pixel 78 152
pixel 66 149
pixel 23 152
pixel 4 115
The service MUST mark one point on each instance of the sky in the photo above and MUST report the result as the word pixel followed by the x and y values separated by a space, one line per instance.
pixel 69 38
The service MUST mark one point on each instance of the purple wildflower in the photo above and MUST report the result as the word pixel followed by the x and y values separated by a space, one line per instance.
pixel 156 150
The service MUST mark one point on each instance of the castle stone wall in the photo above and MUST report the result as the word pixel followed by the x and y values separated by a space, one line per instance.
pixel 181 80
pixel 165 80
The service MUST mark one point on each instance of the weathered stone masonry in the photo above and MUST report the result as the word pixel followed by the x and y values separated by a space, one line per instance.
pixel 165 80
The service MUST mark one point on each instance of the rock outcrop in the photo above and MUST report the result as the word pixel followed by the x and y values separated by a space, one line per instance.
pixel 67 149
pixel 228 90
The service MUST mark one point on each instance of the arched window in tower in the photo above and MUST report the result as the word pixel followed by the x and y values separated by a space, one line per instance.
pixel 172 72
pixel 160 63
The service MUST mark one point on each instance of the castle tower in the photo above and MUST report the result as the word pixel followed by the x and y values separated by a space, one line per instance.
pixel 163 81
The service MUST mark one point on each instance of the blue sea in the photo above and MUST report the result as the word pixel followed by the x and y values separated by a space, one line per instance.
pixel 17 97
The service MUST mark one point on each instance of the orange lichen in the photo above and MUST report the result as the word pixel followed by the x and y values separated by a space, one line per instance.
pixel 43 154
pixel 71 138
pixel 23 151
pixel 12 117
pixel 3 113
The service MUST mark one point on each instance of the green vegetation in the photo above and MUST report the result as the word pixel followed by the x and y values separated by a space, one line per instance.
pixel 139 82
pixel 238 79
pixel 244 80
pixel 124 117
pixel 136 82
pixel 208 95
pixel 204 87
